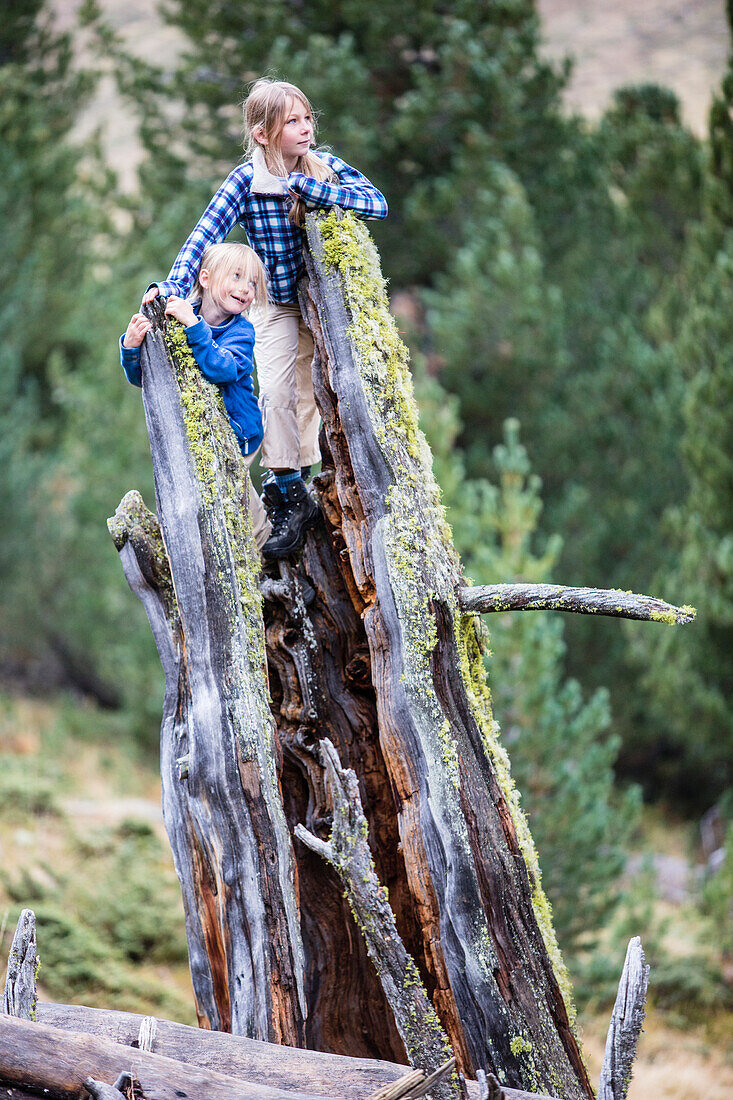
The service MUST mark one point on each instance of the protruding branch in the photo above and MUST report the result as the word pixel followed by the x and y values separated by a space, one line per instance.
pixel 99 1090
pixel 19 998
pixel 348 851
pixel 625 1026
pixel 583 601
pixel 415 1084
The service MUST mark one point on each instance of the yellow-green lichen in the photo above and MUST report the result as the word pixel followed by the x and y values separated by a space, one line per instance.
pixel 418 545
pixel 519 1045
pixel 473 674
pixel 223 480
pixel 668 617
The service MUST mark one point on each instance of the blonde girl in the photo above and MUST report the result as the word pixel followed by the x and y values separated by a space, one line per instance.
pixel 231 278
pixel 282 176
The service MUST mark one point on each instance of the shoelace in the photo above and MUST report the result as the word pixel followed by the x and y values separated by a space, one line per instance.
pixel 281 519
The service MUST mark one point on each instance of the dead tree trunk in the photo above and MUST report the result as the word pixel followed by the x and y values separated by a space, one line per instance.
pixel 196 574
pixel 369 645
pixel 448 838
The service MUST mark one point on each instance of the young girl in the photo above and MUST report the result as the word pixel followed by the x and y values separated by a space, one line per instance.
pixel 268 195
pixel 230 280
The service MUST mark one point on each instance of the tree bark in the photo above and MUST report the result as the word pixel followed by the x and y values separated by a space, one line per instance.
pixel 625 1026
pixel 347 850
pixel 19 997
pixel 470 905
pixel 196 574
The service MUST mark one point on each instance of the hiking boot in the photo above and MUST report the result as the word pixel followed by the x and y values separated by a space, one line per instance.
pixel 271 497
pixel 290 520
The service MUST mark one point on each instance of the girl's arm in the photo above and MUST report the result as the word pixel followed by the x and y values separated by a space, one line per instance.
pixel 352 192
pixel 214 225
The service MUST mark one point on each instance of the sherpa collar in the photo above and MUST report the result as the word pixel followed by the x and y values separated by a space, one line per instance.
pixel 263 181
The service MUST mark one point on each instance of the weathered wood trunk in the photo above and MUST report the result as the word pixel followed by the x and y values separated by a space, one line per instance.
pixel 196 574
pixel 366 645
pixel 445 827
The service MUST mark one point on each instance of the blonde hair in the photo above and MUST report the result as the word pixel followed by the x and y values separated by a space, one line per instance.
pixel 266 108
pixel 218 259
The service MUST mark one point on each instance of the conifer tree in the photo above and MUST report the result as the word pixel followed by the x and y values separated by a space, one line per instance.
pixel 690 747
pixel 69 435
pixel 44 238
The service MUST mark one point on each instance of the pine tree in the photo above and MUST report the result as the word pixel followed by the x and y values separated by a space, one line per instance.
pixel 68 432
pixel 402 99
pixel 690 746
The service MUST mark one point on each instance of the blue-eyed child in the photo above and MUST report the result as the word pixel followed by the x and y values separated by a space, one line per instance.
pixel 231 278
pixel 281 178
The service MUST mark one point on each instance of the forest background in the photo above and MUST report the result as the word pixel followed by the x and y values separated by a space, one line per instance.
pixel 565 284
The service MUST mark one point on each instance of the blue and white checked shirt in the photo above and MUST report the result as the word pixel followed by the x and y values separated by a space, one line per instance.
pixel 274 238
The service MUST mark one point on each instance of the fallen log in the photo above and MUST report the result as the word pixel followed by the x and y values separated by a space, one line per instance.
pixel 293 1068
pixel 258 1063
pixel 36 1056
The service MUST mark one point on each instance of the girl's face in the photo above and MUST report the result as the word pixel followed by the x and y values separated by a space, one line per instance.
pixel 232 293
pixel 296 135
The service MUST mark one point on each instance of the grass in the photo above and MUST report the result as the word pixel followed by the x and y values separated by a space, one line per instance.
pixel 83 845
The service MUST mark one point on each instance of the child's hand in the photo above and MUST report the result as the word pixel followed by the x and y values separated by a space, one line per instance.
pixel 182 310
pixel 149 295
pixel 137 330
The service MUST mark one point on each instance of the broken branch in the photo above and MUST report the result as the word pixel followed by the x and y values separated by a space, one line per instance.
pixel 625 1026
pixel 348 851
pixel 583 601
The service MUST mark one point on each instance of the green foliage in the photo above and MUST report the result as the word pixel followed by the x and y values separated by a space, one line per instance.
pixel 70 436
pixel 22 792
pixel 717 898
pixel 690 677
pixel 495 325
pixel 403 99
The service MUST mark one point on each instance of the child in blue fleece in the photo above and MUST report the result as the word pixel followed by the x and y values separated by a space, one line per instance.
pixel 230 279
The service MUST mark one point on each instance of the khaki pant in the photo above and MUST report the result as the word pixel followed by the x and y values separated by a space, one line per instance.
pixel 260 523
pixel 284 354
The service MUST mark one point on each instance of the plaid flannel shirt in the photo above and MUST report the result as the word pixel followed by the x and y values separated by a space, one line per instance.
pixel 274 238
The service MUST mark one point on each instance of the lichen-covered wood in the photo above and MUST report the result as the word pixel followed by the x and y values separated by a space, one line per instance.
pixel 196 568
pixel 469 872
pixel 347 850
pixel 613 602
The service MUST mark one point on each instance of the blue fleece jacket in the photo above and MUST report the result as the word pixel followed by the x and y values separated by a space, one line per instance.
pixel 224 355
